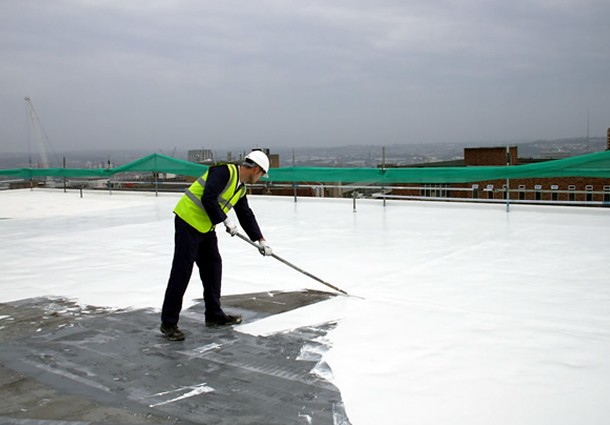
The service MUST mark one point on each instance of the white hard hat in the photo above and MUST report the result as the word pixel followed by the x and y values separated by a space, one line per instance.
pixel 259 158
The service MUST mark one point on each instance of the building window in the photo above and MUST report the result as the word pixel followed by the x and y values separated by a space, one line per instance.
pixel 554 194
pixel 571 194
pixel 490 191
pixel 424 191
pixel 589 194
pixel 538 194
pixel 522 192
pixel 606 194
pixel 441 190
pixel 435 191
pixel 475 191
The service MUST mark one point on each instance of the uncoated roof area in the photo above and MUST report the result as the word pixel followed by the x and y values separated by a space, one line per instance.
pixel 462 314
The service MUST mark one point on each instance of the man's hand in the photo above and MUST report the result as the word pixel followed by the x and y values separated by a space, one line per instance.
pixel 264 249
pixel 230 227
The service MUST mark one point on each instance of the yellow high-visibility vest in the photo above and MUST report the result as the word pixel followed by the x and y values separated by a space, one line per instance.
pixel 190 208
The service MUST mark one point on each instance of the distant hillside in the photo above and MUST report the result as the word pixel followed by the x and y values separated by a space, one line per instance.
pixel 561 147
pixel 371 155
pixel 337 156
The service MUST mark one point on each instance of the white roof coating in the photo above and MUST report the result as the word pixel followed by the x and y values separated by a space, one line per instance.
pixel 465 314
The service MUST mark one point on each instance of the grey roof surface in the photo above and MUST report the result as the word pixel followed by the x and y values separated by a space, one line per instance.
pixel 64 363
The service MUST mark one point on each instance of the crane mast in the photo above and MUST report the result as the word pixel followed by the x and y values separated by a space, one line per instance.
pixel 44 159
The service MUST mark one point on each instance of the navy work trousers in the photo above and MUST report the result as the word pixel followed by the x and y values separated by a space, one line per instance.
pixel 192 246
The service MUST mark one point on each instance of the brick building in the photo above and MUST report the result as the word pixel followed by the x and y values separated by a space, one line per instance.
pixel 555 189
pixel 561 190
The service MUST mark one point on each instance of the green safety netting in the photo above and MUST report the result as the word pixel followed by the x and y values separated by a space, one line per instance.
pixel 27 173
pixel 161 164
pixel 153 163
pixel 590 165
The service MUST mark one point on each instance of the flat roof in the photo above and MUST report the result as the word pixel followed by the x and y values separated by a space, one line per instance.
pixel 460 314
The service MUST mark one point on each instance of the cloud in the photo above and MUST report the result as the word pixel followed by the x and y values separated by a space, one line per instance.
pixel 149 73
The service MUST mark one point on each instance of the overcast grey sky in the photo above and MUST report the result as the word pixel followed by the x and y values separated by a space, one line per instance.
pixel 159 74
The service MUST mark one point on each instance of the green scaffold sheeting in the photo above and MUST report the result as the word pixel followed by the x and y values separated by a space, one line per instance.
pixel 590 165
pixel 151 163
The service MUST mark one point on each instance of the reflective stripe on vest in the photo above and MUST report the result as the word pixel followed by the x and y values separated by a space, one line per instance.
pixel 191 210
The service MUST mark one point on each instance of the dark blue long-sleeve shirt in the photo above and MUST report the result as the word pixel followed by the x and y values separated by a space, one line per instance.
pixel 218 177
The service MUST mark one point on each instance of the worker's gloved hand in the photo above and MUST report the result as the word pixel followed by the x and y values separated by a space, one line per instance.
pixel 230 227
pixel 264 249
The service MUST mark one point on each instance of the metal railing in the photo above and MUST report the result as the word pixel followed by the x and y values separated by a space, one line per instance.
pixel 443 193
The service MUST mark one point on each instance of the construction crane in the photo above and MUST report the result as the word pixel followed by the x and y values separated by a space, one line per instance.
pixel 44 159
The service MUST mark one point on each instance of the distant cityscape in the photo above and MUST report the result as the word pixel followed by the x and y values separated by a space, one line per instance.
pixel 342 156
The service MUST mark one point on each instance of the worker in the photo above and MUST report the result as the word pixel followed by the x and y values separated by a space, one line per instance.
pixel 204 205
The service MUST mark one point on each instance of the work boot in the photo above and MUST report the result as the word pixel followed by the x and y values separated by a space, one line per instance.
pixel 227 319
pixel 172 332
